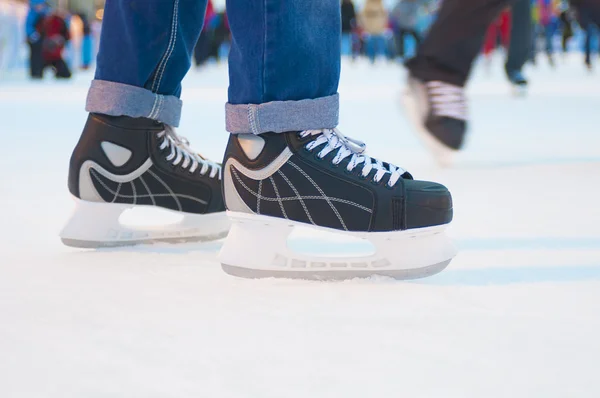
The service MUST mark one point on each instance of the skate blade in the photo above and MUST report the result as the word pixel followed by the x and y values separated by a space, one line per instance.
pixel 96 225
pixel 445 157
pixel 405 274
pixel 257 247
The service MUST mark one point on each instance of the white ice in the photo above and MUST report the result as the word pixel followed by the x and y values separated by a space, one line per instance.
pixel 517 313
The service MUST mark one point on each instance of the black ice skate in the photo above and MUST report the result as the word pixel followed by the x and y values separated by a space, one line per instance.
pixel 324 180
pixel 438 111
pixel 122 162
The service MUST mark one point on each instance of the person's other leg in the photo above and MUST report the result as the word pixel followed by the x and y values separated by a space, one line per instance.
pixel 286 164
pixel 447 53
pixel 519 48
pixel 145 51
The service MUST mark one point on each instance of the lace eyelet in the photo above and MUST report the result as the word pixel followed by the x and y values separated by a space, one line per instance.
pixel 317 157
pixel 335 165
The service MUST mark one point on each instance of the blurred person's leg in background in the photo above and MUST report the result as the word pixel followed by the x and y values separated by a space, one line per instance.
pixel 346 44
pixel 519 47
pixel 61 68
pixel 549 31
pixel 435 99
pixel 36 61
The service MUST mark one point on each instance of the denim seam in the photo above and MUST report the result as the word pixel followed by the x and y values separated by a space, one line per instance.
pixel 161 101
pixel 252 119
pixel 162 66
pixel 153 107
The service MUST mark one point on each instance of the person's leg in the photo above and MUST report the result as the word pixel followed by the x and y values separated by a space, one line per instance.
pixel 400 35
pixel 588 44
pixel 548 36
pixel 591 9
pixel 145 51
pixel 519 48
pixel 129 153
pixel 435 98
pixel 382 46
pixel 62 69
pixel 416 36
pixel 370 47
pixel 36 62
pixel 447 53
pixel 346 44
pixel 286 165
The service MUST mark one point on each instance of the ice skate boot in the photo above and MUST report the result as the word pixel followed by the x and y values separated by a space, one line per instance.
pixel 121 163
pixel 320 179
pixel 518 82
pixel 438 111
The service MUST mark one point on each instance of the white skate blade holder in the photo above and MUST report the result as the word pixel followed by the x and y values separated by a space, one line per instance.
pixel 445 156
pixel 98 224
pixel 257 247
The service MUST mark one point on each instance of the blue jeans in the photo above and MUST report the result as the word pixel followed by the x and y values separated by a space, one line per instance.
pixel 375 45
pixel 284 63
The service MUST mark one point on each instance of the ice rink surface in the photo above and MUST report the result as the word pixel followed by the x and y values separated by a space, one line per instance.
pixel 517 313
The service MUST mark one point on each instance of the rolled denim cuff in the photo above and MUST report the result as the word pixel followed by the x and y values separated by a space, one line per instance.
pixel 282 116
pixel 118 99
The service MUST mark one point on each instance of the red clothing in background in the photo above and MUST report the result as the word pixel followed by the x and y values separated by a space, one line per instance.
pixel 501 26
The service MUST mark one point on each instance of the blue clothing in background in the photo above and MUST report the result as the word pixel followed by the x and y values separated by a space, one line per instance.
pixel 33 16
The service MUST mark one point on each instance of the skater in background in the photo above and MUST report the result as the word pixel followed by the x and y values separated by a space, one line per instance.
pixel 519 47
pixel 435 98
pixel 373 20
pixel 33 29
pixel 566 23
pixel 286 164
pixel 404 18
pixel 513 30
pixel 584 17
pixel 348 25
pixel 221 35
pixel 87 43
pixel 55 35
pixel 545 27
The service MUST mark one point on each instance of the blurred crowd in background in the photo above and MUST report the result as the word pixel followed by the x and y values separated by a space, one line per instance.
pixel 63 35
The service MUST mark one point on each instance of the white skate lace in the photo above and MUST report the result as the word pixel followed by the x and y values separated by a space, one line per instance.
pixel 181 151
pixel 356 149
pixel 447 100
